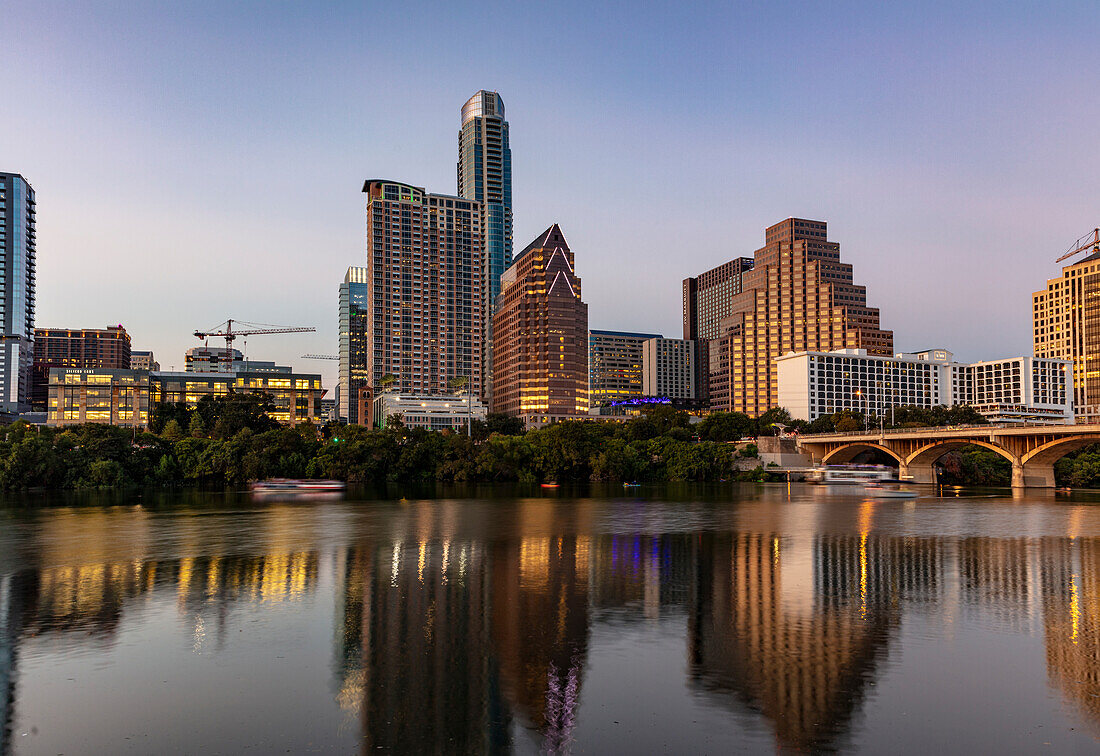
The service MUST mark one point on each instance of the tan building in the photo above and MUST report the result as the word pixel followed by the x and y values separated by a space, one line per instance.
pixel 1066 326
pixel 75 348
pixel 97 395
pixel 798 297
pixel 708 299
pixel 425 303
pixel 540 357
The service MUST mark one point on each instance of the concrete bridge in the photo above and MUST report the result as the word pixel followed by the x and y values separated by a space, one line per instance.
pixel 1032 449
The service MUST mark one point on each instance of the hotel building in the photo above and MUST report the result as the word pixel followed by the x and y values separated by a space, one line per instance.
pixel 75 348
pixel 1066 325
pixel 425 277
pixel 797 297
pixel 17 266
pixel 485 176
pixel 429 412
pixel 1015 390
pixel 354 365
pixel 668 368
pixel 540 365
pixel 708 300
pixel 615 365
pixel 143 360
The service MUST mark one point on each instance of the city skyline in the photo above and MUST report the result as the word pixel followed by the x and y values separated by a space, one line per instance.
pixel 924 144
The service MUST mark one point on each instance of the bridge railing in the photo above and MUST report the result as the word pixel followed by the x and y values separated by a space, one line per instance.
pixel 871 433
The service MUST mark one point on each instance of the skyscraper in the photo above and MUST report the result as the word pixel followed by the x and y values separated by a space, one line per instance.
pixel 17 257
pixel 540 366
pixel 354 367
pixel 798 297
pixel 425 302
pixel 708 298
pixel 485 176
pixel 615 365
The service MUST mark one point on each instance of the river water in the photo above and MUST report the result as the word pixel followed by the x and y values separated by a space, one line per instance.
pixel 751 618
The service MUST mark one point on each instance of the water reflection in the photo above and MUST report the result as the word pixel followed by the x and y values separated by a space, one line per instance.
pixel 470 627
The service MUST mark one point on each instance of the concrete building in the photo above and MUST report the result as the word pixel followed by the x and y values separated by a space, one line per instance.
pixel 1066 325
pixel 425 271
pixel 143 360
pixel 797 297
pixel 218 360
pixel 708 300
pixel 668 368
pixel 75 348
pixel 615 365
pixel 354 364
pixel 485 176
pixel 1020 389
pixel 17 271
pixel 540 365
pixel 429 412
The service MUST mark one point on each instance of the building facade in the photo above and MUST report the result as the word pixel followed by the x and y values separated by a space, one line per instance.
pixel 429 412
pixel 75 348
pixel 1066 325
pixel 708 300
pixel 354 364
pixel 615 365
pixel 207 359
pixel 1015 390
pixel 424 267
pixel 17 266
pixel 668 368
pixel 97 395
pixel 797 297
pixel 485 176
pixel 540 366
pixel 143 360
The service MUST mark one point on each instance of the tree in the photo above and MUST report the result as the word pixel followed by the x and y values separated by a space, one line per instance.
pixel 196 429
pixel 225 416
pixel 765 422
pixel 172 431
pixel 725 426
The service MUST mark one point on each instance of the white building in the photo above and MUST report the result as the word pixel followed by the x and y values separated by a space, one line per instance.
pixel 1018 389
pixel 668 368
pixel 431 412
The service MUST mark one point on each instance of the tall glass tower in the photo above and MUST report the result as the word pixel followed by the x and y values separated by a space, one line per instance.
pixel 17 253
pixel 354 366
pixel 485 175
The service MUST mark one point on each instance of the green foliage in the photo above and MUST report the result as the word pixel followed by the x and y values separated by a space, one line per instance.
pixel 1080 469
pixel 726 426
pixel 975 466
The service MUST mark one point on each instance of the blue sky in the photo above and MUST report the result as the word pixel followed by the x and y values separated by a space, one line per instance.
pixel 198 161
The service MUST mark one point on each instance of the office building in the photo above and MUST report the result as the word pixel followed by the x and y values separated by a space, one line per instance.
pixel 668 368
pixel 143 360
pixel 220 360
pixel 1015 390
pixel 798 297
pixel 540 366
pixel 17 266
pixel 75 348
pixel 98 395
pixel 485 176
pixel 708 300
pixel 429 412
pixel 354 364
pixel 1066 325
pixel 424 267
pixel 615 365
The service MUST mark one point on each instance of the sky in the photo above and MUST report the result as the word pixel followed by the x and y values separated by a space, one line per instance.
pixel 198 161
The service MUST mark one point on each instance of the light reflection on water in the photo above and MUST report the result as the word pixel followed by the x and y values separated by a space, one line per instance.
pixel 750 618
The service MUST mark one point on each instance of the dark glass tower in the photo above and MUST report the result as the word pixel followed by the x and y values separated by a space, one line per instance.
pixel 17 256
pixel 485 175
pixel 354 366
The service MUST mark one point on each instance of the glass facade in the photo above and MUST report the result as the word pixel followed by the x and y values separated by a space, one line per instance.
pixel 17 272
pixel 354 362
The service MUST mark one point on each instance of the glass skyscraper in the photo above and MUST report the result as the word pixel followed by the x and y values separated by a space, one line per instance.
pixel 485 175
pixel 354 366
pixel 17 253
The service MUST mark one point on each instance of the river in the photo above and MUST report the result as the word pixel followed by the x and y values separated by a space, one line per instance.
pixel 736 618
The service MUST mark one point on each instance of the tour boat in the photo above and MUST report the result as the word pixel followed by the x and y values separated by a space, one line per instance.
pixel 851 475
pixel 292 488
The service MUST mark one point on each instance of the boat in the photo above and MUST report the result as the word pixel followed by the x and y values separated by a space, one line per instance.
pixel 632 485
pixel 550 485
pixel 851 475
pixel 294 488
pixel 879 491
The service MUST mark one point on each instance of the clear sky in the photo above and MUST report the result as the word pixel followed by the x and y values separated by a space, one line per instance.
pixel 196 161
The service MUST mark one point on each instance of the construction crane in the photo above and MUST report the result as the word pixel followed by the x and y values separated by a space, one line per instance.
pixel 225 330
pixel 1085 243
pixel 320 357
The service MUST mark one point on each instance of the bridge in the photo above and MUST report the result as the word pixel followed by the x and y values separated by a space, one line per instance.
pixel 1032 449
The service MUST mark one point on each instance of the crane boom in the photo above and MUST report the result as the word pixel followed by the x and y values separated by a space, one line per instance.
pixel 226 331
pixel 1092 243
pixel 320 356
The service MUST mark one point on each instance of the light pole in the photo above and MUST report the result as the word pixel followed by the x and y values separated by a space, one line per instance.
pixel 862 403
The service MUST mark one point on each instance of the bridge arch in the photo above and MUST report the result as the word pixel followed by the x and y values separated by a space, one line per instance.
pixel 929 453
pixel 844 454
pixel 1052 451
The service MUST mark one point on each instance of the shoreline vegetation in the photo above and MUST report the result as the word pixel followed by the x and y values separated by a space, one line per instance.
pixel 230 441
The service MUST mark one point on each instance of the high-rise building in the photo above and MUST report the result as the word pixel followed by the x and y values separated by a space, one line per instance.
pixel 354 367
pixel 424 268
pixel 143 360
pixel 17 263
pixel 668 368
pixel 1066 326
pixel 540 366
pixel 75 348
pixel 207 359
pixel 485 176
pixel 708 300
pixel 615 365
pixel 798 297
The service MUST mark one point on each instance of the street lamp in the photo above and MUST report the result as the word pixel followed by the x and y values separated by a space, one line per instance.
pixel 862 403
